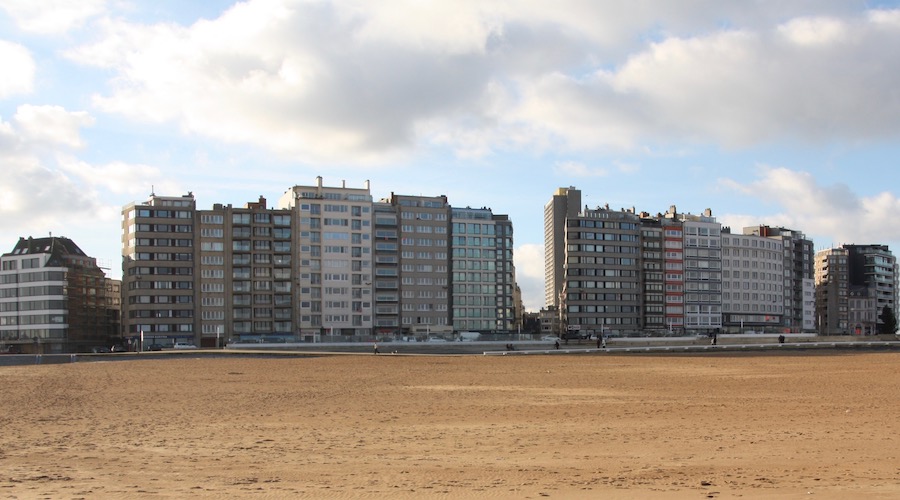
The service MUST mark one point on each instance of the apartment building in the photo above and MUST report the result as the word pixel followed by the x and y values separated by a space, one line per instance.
pixel 565 203
pixel 875 268
pixel 55 299
pixel 799 307
pixel 602 289
pixel 333 248
pixel 483 275
pixel 246 274
pixel 656 318
pixel 862 311
pixel 854 283
pixel 673 273
pixel 412 274
pixel 328 264
pixel 702 272
pixel 386 282
pixel 753 282
pixel 832 275
pixel 158 270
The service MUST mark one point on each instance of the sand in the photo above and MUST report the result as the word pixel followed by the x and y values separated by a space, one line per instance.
pixel 365 426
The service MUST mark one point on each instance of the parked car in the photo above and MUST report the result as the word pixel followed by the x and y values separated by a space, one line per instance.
pixel 100 349
pixel 184 345
pixel 10 349
pixel 118 348
pixel 154 347
pixel 469 336
pixel 550 338
pixel 436 339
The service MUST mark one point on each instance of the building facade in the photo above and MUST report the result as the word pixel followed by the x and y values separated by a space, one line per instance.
pixel 853 285
pixel 333 249
pixel 673 273
pixel 386 282
pixel 653 300
pixel 602 282
pixel 798 308
pixel 483 275
pixel 246 275
pixel 158 270
pixel 328 264
pixel 875 268
pixel 412 266
pixel 832 275
pixel 565 203
pixel 754 283
pixel 55 299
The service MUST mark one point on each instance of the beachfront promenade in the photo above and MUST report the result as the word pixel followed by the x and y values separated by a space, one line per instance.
pixel 725 344
pixel 614 345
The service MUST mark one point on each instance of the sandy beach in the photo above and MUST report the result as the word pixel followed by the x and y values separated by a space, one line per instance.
pixel 819 425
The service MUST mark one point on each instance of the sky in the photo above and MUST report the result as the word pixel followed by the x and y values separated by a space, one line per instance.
pixel 779 113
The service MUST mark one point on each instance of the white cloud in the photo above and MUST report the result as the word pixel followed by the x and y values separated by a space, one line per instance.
pixel 834 212
pixel 889 18
pixel 814 31
pixel 118 177
pixel 361 82
pixel 51 125
pixel 578 169
pixel 52 16
pixel 45 189
pixel 529 262
pixel 18 69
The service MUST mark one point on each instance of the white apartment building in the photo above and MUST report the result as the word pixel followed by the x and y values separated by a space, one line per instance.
pixel 333 245
pixel 753 281
pixel 55 299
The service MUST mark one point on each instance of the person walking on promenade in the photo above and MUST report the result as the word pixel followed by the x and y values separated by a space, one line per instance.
pixel 376 348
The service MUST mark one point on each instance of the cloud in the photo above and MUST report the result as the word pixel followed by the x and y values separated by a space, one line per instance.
pixel 52 16
pixel 811 79
pixel 359 83
pixel 300 79
pixel 18 70
pixel 814 31
pixel 529 262
pixel 833 212
pixel 578 169
pixel 118 177
pixel 46 188
pixel 51 125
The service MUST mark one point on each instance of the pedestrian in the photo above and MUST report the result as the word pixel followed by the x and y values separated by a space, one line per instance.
pixel 556 344
pixel 376 348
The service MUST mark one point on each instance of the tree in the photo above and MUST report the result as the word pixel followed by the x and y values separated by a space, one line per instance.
pixel 888 323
